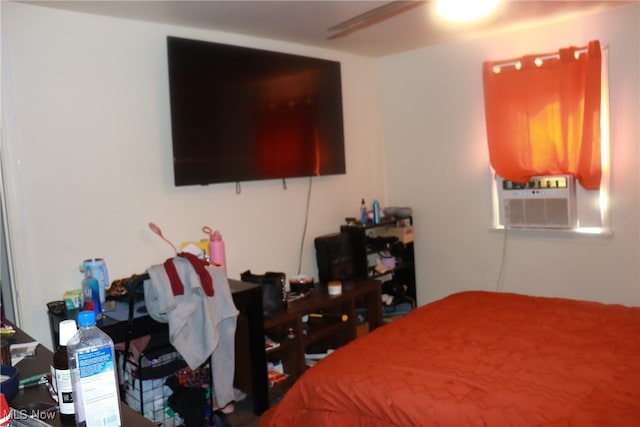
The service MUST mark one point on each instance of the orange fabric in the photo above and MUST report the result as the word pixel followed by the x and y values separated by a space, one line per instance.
pixel 479 358
pixel 545 120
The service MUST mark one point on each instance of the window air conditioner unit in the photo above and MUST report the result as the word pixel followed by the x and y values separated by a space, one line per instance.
pixel 543 202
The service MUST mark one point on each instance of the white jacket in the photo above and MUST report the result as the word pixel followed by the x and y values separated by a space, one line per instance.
pixel 199 326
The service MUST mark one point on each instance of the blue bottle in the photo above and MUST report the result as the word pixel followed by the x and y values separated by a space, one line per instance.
pixel 376 212
pixel 363 212
pixel 91 293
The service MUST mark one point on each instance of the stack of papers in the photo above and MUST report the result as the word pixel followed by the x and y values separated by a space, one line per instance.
pixel 22 350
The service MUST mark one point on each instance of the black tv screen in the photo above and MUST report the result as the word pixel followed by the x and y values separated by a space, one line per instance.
pixel 244 114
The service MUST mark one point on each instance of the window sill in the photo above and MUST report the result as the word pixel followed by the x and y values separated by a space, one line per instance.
pixel 556 232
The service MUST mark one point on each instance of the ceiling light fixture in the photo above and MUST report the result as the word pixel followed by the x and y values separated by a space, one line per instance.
pixel 463 11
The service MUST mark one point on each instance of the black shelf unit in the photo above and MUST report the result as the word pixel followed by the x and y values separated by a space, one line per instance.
pixel 394 235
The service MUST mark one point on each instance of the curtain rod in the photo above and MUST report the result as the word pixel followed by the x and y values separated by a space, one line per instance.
pixel 517 63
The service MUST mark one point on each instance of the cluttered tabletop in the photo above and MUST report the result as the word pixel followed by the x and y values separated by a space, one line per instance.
pixel 29 398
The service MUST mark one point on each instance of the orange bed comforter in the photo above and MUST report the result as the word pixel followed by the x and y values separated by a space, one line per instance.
pixel 481 359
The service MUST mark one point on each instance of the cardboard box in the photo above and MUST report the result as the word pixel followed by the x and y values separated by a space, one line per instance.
pixel 362 329
pixel 404 234
pixel 73 299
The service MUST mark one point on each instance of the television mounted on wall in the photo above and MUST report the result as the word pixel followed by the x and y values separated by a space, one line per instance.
pixel 245 114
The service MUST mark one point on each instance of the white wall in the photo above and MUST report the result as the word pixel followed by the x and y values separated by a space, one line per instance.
pixel 87 162
pixel 88 159
pixel 437 162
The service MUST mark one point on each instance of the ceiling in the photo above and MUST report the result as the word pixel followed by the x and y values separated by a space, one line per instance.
pixel 307 22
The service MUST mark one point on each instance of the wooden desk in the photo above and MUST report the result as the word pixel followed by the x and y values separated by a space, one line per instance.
pixel 251 362
pixel 40 364
pixel 298 337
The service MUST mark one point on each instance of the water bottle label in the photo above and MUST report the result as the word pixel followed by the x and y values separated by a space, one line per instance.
pixel 99 393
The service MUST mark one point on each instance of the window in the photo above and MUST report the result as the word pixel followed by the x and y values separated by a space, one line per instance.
pixel 547 114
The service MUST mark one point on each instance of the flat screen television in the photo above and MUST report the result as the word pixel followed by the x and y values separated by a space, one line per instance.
pixel 244 114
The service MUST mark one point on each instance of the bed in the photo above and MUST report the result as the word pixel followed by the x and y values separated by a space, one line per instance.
pixel 483 359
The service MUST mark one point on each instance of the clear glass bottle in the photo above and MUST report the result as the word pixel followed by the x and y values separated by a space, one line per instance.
pixel 93 372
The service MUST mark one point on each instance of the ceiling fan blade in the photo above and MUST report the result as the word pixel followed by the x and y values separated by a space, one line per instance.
pixel 373 17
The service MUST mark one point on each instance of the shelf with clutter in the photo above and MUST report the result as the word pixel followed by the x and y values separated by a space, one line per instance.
pixel 384 250
pixel 312 327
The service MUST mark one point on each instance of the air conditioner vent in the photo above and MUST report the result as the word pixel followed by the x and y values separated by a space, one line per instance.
pixel 543 202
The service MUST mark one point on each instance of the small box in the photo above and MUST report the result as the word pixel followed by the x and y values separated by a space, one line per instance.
pixel 403 222
pixel 73 299
pixel 404 234
pixel 362 329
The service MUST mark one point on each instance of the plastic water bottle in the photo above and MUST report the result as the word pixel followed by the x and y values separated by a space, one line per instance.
pixel 92 364
pixel 216 250
pixel 91 293
pixel 64 386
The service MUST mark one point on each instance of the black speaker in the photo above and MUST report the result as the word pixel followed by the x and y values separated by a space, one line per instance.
pixel 334 255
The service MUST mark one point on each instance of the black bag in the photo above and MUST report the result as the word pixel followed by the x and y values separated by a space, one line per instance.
pixel 274 297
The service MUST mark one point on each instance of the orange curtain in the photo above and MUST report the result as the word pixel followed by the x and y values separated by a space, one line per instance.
pixel 545 120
